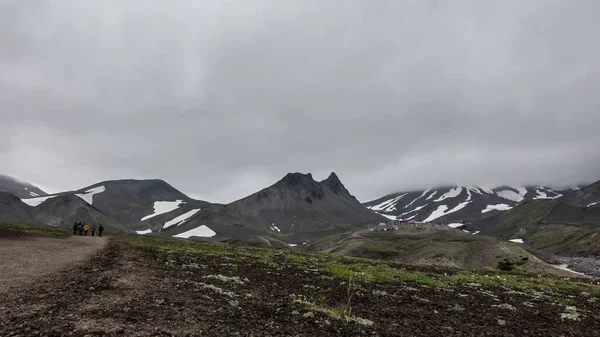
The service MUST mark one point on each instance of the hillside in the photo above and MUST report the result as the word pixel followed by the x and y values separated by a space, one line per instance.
pixel 151 286
pixel 295 204
pixel 588 196
pixel 131 203
pixel 441 246
pixel 548 225
pixel 65 210
pixel 456 204
pixel 13 210
pixel 19 188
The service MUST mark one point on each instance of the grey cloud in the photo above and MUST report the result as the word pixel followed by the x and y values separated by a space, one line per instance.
pixel 223 98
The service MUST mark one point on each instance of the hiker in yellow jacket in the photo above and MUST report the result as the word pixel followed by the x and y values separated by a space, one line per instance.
pixel 86 228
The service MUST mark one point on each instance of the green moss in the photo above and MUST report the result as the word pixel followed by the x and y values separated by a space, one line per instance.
pixel 379 273
pixel 49 231
pixel 362 269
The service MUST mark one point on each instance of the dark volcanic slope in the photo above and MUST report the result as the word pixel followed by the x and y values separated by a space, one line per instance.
pixel 456 204
pixel 128 201
pixel 549 225
pixel 13 210
pixel 588 196
pixel 295 204
pixel 19 188
pixel 65 210
pixel 135 204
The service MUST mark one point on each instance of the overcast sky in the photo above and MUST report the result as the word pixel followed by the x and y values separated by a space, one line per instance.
pixel 222 98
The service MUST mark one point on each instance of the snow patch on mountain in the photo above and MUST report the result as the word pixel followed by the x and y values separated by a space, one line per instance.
pixel 474 189
pixel 162 207
pixel 388 205
pixel 88 196
pixel 542 193
pixel 391 217
pixel 441 211
pixel 516 240
pixel 36 201
pixel 415 210
pixel 201 231
pixel 522 190
pixel 499 207
pixel 275 228
pixel 593 203
pixel 143 232
pixel 455 225
pixel 431 196
pixel 181 219
pixel 453 193
pixel 510 195
pixel 422 195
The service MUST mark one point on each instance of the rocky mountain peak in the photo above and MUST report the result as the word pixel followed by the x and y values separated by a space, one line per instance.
pixel 296 179
pixel 334 183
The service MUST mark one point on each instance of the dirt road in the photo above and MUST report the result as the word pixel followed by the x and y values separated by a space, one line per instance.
pixel 24 261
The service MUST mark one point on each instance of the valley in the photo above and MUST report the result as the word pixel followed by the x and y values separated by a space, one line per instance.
pixel 546 225
pixel 300 258
pixel 153 286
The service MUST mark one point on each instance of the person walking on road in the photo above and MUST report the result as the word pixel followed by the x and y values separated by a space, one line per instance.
pixel 93 229
pixel 75 226
pixel 86 228
pixel 100 230
pixel 80 228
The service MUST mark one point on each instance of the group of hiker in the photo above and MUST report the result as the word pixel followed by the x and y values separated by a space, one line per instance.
pixel 82 228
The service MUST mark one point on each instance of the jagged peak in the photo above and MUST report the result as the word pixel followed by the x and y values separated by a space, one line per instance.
pixel 296 178
pixel 332 177
pixel 334 183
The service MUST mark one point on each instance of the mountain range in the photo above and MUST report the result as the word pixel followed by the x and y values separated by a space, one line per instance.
pixel 295 204
pixel 298 207
pixel 457 204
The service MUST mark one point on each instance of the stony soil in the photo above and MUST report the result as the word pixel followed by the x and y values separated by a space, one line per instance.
pixel 144 292
pixel 587 265
pixel 25 259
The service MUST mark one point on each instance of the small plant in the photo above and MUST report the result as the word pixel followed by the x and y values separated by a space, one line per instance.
pixel 340 312
pixel 351 291
pixel 570 313
pixel 309 314
pixel 379 293
pixel 234 303
pixel 505 306
pixel 457 307
pixel 215 289
pixel 364 321
pixel 506 265
pixel 223 278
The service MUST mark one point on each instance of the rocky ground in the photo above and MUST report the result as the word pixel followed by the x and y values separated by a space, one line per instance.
pixel 157 287
pixel 25 258
pixel 586 265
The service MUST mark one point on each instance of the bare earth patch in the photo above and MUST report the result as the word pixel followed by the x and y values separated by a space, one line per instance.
pixel 26 259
